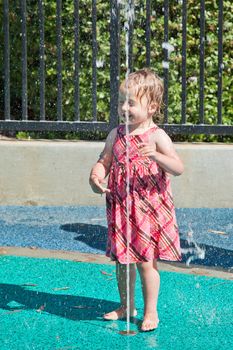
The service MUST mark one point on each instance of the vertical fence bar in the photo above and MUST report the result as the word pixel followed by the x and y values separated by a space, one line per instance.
pixel 42 60
pixel 184 85
pixel 24 60
pixel 148 31
pixel 94 56
pixel 76 61
pixel 131 29
pixel 202 61
pixel 220 59
pixel 166 57
pixel 6 60
pixel 114 61
pixel 59 59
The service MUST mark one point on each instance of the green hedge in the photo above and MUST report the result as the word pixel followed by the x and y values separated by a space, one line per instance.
pixel 139 57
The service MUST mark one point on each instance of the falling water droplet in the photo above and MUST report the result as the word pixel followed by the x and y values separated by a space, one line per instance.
pixel 99 63
pixel 194 248
pixel 192 79
pixel 167 46
pixel 165 64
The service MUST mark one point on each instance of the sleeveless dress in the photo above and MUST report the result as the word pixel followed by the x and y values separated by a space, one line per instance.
pixel 151 230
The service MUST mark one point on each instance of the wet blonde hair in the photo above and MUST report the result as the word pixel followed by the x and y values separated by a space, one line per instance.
pixel 146 82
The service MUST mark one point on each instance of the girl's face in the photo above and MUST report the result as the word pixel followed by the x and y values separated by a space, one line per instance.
pixel 138 109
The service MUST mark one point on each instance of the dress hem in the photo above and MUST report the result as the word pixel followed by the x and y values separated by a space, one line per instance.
pixel 141 261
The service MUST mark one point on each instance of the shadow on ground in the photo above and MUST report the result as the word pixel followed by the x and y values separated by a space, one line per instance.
pixel 67 306
pixel 95 236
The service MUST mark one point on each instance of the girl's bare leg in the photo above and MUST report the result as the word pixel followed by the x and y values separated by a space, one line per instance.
pixel 150 286
pixel 121 273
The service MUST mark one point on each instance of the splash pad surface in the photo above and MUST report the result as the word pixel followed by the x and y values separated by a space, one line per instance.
pixel 58 304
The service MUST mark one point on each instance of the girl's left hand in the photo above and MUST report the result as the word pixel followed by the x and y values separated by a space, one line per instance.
pixel 147 149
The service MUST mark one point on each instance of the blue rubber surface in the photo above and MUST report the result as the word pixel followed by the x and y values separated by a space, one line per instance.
pixel 206 234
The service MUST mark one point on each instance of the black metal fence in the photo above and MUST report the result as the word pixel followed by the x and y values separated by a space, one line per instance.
pixel 44 124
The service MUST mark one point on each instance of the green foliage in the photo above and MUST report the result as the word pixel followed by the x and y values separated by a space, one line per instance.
pixel 23 135
pixel 103 56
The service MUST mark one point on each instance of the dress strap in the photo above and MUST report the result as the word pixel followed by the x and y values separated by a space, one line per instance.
pixel 120 129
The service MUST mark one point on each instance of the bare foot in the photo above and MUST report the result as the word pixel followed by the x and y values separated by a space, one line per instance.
pixel 150 322
pixel 119 314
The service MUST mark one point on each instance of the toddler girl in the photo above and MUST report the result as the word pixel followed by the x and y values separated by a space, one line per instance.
pixel 151 231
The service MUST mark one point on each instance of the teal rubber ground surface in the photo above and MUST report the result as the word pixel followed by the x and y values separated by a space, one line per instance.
pixel 58 304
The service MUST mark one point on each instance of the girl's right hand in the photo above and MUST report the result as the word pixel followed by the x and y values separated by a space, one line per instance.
pixel 95 183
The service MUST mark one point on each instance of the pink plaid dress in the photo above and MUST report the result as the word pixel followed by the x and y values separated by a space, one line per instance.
pixel 152 229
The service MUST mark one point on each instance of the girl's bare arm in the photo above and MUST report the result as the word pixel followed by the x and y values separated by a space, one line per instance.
pixel 163 152
pixel 101 169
